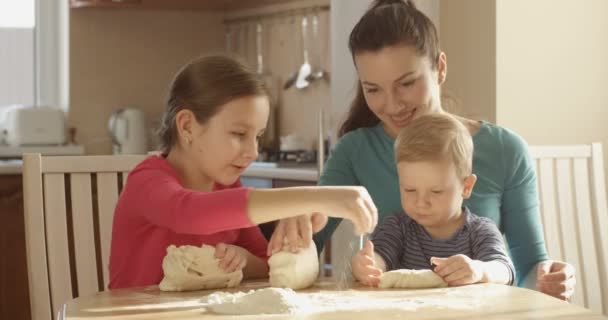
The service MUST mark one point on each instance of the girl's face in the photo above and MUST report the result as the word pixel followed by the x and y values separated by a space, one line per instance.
pixel 227 143
pixel 399 85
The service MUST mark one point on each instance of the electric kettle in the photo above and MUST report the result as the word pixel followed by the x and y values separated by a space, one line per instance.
pixel 128 131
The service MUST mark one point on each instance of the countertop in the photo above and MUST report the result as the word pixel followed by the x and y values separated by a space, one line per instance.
pixel 283 170
pixel 268 170
pixel 10 167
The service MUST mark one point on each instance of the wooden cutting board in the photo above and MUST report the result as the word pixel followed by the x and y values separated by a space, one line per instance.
pixel 484 301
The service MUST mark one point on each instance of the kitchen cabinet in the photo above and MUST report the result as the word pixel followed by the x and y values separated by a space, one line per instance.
pixel 174 4
pixel 14 291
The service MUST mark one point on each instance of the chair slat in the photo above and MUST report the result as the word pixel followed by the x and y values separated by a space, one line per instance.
pixel 57 240
pixel 569 231
pixel 549 209
pixel 540 202
pixel 84 233
pixel 125 175
pixel 33 203
pixel 600 214
pixel 90 164
pixel 107 195
pixel 587 246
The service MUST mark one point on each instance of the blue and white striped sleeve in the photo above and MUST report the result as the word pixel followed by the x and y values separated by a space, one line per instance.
pixel 388 241
pixel 488 245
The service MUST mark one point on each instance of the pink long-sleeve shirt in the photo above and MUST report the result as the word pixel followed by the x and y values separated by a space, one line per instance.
pixel 155 210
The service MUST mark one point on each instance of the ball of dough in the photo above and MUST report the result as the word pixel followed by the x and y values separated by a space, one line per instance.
pixel 411 279
pixel 294 270
pixel 192 268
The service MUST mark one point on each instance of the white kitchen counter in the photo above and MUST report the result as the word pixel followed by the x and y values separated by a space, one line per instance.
pixel 10 167
pixel 256 170
pixel 303 172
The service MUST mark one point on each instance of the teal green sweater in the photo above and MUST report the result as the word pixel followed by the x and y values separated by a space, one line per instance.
pixel 505 190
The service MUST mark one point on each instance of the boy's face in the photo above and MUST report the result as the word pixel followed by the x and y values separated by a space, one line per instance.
pixel 432 192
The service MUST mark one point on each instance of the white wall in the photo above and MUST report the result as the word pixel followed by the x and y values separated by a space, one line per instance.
pixel 551 70
pixel 468 37
pixel 344 16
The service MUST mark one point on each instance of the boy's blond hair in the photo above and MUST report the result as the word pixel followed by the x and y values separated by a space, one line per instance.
pixel 435 137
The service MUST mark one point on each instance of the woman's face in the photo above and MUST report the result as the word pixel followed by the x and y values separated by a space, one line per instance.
pixel 399 85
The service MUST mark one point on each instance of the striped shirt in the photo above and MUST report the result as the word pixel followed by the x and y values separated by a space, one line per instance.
pixel 405 244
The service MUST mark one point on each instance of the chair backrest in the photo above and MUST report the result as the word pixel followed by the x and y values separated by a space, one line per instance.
pixel 572 195
pixel 69 207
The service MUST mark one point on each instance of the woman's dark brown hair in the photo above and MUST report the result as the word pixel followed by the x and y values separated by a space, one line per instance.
pixel 203 86
pixel 388 23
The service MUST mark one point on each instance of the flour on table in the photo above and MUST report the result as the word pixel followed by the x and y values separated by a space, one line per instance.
pixel 413 279
pixel 294 270
pixel 194 268
pixel 287 301
pixel 262 301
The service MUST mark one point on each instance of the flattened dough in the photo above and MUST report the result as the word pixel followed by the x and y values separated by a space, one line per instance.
pixel 194 268
pixel 294 270
pixel 411 279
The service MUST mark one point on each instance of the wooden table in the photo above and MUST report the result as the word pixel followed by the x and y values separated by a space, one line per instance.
pixel 484 301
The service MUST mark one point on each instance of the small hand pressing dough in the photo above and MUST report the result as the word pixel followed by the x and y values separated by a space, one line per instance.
pixel 411 279
pixel 294 270
pixel 192 268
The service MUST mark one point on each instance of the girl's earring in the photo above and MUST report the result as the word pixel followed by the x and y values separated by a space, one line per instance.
pixel 189 141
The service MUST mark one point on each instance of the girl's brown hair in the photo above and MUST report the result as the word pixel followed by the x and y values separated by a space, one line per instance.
pixel 388 23
pixel 203 86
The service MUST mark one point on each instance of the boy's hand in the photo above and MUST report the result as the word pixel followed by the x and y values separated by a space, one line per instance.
pixel 364 266
pixel 459 270
pixel 232 258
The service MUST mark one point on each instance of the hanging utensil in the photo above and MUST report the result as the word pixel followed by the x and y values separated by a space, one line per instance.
pixel 229 42
pixel 305 68
pixel 271 135
pixel 291 79
pixel 318 73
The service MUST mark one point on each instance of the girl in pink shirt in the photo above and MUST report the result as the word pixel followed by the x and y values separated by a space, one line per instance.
pixel 191 194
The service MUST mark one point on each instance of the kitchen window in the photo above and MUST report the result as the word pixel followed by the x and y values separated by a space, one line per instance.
pixel 33 53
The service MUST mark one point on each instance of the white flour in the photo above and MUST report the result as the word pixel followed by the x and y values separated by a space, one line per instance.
pixel 287 301
pixel 262 301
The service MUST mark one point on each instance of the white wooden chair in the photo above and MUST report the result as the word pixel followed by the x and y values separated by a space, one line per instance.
pixel 68 234
pixel 572 194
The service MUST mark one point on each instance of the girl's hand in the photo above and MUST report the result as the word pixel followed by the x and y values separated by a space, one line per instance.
pixel 232 258
pixel 459 269
pixel 353 203
pixel 556 279
pixel 364 266
pixel 297 230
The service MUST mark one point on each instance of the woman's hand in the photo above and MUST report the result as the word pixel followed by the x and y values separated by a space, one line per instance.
pixel 556 279
pixel 297 230
pixel 232 258
pixel 459 270
pixel 364 266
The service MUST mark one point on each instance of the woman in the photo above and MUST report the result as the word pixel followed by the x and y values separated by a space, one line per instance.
pixel 396 52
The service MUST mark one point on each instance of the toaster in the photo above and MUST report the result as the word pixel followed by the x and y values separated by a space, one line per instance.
pixel 23 126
